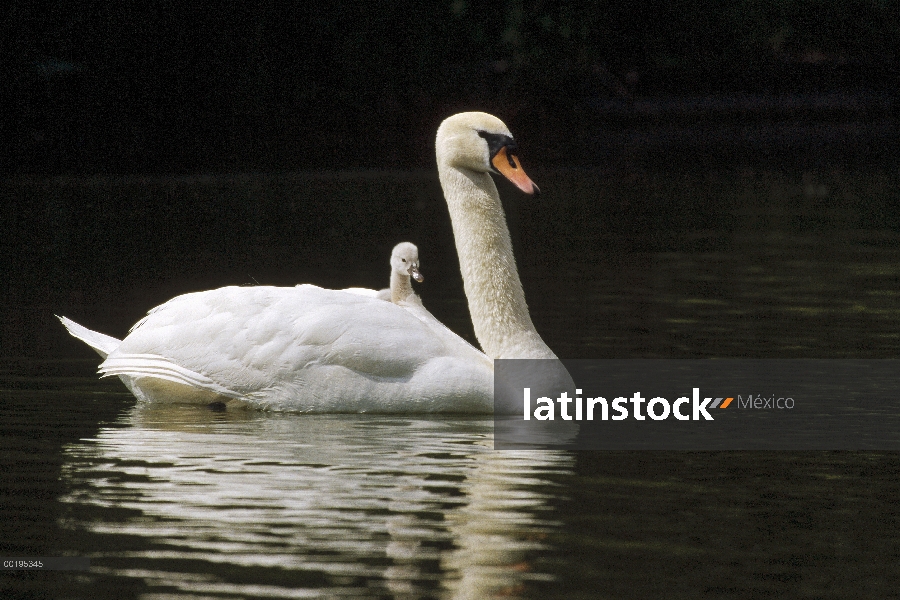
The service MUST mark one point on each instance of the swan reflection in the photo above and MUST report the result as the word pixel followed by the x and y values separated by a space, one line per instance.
pixel 403 506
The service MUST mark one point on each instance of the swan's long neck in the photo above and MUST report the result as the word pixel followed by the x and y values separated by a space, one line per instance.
pixel 400 286
pixel 496 300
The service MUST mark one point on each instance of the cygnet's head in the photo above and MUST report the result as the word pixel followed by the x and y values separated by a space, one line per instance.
pixel 405 260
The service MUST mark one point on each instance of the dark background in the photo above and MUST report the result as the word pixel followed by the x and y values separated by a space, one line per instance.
pixel 155 148
pixel 179 87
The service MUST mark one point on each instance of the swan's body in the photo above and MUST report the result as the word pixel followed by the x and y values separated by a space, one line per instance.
pixel 302 348
pixel 311 349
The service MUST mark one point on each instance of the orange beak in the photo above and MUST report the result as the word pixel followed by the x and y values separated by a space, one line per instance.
pixel 508 165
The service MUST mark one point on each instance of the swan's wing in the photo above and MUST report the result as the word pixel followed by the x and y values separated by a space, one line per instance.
pixel 265 342
pixel 384 294
pixel 153 366
pixel 361 292
pixel 460 347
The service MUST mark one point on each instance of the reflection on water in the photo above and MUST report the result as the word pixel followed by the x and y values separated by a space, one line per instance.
pixel 284 505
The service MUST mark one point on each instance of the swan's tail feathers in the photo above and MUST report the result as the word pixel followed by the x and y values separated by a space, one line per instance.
pixel 142 367
pixel 101 343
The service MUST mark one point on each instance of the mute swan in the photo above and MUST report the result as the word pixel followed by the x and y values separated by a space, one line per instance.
pixel 404 264
pixel 310 349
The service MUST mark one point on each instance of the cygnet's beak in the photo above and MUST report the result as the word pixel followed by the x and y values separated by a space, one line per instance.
pixel 414 273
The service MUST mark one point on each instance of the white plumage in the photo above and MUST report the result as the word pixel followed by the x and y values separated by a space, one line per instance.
pixel 311 349
pixel 404 264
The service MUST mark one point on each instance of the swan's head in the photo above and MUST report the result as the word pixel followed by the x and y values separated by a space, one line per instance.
pixel 405 260
pixel 482 143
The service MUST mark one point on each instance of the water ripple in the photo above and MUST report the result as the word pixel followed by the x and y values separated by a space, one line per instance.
pixel 334 505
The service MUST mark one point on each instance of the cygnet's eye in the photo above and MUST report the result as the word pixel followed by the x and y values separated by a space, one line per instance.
pixel 403 259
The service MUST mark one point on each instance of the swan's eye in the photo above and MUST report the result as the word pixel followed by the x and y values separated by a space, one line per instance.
pixel 403 259
pixel 497 142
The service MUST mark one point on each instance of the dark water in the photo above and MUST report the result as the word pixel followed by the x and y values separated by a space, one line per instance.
pixel 183 502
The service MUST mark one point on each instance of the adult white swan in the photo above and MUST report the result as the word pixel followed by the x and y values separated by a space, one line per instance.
pixel 317 350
